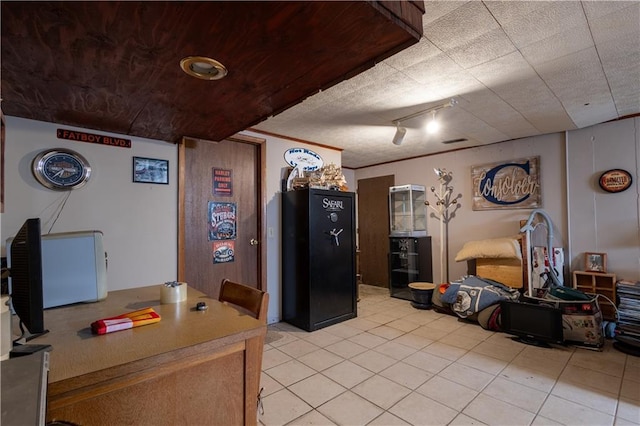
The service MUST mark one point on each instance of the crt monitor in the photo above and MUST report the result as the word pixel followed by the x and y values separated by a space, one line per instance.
pixel 532 323
pixel 25 283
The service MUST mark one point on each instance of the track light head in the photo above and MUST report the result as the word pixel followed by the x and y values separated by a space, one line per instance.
pixel 433 126
pixel 399 136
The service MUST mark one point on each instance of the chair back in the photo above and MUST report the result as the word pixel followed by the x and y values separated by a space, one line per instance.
pixel 251 300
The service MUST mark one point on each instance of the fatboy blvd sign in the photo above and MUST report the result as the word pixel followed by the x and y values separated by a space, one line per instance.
pixel 73 135
pixel 508 185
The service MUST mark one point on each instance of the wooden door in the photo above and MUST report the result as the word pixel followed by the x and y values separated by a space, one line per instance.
pixel 373 229
pixel 209 252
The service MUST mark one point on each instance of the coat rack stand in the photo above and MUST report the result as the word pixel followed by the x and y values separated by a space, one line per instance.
pixel 442 212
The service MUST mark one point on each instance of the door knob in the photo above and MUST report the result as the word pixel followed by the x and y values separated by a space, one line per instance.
pixel 253 242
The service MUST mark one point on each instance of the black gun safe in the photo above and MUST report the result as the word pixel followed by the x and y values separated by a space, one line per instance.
pixel 318 258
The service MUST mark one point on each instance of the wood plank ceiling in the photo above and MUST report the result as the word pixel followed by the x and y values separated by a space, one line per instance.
pixel 114 66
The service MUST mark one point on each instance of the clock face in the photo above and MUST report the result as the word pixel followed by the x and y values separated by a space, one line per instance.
pixel 61 169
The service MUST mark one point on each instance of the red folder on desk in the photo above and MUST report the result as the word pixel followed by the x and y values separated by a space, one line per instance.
pixel 125 321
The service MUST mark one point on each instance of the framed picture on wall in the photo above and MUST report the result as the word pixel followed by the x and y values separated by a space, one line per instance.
pixel 595 262
pixel 150 170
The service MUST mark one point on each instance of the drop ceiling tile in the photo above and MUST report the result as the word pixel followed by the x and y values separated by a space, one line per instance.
pixel 617 37
pixel 618 26
pixel 282 120
pixel 487 106
pixel 599 9
pixel 468 125
pixel 460 26
pixel 459 83
pixel 595 112
pixel 576 78
pixel 434 10
pixel 627 103
pixel 542 22
pixel 433 69
pixel 413 99
pixel 558 45
pixel 421 51
pixel 624 80
pixel 424 96
pixel 507 11
pixel 484 48
pixel 531 97
pixel 511 67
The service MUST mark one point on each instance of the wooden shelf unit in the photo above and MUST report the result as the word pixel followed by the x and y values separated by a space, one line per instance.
pixel 598 283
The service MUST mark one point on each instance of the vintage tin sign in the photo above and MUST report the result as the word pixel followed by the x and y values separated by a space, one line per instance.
pixel 222 182
pixel 222 221
pixel 224 251
pixel 507 185
pixel 615 180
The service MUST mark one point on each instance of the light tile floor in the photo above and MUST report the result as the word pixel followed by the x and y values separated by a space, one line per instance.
pixel 396 365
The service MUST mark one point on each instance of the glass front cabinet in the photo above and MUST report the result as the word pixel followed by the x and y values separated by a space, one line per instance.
pixel 407 211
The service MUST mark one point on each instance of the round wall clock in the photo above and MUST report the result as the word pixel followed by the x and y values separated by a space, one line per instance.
pixel 61 169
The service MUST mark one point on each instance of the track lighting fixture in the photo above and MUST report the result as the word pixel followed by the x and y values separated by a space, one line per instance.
pixel 399 136
pixel 432 126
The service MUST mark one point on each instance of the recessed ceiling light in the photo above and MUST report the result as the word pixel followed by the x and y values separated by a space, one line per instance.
pixel 203 67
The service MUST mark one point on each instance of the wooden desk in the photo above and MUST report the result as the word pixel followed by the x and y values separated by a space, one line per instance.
pixel 193 367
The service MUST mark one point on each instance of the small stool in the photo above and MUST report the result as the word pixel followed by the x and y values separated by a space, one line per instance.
pixel 421 294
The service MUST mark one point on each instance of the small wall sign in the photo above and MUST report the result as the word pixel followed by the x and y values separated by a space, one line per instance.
pixel 615 180
pixel 224 251
pixel 222 182
pixel 222 221
pixel 307 159
pixel 507 185
pixel 73 135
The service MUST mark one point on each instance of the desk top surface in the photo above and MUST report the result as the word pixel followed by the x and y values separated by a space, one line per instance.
pixel 76 351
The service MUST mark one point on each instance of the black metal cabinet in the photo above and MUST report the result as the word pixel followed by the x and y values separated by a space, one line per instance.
pixel 318 258
pixel 409 261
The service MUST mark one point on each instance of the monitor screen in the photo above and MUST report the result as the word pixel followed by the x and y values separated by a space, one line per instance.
pixel 532 323
pixel 26 277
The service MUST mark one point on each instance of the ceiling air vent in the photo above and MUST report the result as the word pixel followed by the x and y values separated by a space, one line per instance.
pixel 456 140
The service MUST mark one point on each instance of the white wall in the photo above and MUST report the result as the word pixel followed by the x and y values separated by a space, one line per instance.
pixel 139 220
pixel 350 177
pixel 602 222
pixel 474 225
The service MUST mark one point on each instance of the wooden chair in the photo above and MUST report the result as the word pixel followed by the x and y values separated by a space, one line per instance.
pixel 251 300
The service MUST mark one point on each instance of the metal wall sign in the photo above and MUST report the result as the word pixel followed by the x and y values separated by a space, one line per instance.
pixel 224 251
pixel 615 180
pixel 222 221
pixel 73 135
pixel 513 184
pixel 222 181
